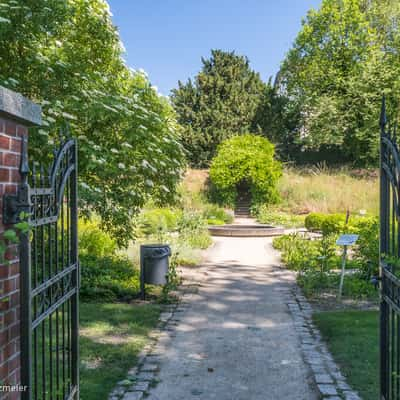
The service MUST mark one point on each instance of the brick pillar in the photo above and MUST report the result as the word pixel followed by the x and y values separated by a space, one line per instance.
pixel 16 115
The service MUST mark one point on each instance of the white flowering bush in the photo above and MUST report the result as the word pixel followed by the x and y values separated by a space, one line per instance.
pixel 67 56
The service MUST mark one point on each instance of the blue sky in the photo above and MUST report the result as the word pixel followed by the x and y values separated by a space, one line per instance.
pixel 167 38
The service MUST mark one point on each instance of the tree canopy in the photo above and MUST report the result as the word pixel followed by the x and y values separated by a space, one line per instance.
pixel 67 56
pixel 222 101
pixel 344 58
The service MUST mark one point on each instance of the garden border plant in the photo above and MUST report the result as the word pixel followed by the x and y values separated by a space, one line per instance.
pixel 315 260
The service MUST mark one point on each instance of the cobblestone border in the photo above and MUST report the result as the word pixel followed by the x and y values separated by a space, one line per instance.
pixel 329 380
pixel 144 375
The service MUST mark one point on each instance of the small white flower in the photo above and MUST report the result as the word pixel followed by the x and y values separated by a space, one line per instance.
pixel 84 185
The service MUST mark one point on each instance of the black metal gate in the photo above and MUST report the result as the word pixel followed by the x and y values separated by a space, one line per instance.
pixel 389 253
pixel 49 275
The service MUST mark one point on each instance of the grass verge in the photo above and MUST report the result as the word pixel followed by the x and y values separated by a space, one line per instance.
pixel 352 338
pixel 111 337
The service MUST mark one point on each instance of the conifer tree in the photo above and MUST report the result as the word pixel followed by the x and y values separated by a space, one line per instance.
pixel 221 102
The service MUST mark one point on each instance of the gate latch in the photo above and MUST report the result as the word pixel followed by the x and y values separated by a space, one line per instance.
pixel 16 204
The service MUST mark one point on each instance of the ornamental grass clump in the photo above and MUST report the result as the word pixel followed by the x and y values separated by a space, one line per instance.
pixel 245 159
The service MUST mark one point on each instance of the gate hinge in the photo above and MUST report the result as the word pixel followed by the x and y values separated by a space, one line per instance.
pixel 14 205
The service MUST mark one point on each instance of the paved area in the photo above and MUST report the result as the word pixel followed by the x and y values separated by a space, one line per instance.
pixel 236 339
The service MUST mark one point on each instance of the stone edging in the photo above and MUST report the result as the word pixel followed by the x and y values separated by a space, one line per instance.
pixel 144 375
pixel 329 380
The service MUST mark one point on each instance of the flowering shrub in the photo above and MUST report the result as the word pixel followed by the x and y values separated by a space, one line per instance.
pixel 67 56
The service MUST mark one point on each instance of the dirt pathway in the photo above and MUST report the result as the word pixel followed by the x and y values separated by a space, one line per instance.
pixel 236 340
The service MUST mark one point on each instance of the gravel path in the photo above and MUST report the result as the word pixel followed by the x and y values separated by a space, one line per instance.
pixel 236 340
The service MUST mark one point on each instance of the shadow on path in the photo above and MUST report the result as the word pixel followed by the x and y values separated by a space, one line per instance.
pixel 236 340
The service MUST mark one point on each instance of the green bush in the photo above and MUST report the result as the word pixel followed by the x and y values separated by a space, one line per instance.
pixel 216 215
pixel 300 254
pixel 316 259
pixel 313 221
pixel 266 215
pixel 94 241
pixel 245 158
pixel 367 249
pixel 355 286
pixel 335 224
pixel 111 278
pixel 313 282
pixel 327 223
pixel 192 228
pixel 297 253
pixel 158 220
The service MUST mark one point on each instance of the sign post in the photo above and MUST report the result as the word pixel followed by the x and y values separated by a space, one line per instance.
pixel 345 241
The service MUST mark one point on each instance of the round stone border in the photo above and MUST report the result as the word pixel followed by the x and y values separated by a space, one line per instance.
pixel 329 380
pixel 237 230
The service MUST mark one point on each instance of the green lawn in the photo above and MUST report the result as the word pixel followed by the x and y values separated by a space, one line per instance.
pixel 110 339
pixel 352 338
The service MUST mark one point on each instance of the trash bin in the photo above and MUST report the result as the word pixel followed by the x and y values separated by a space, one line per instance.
pixel 155 261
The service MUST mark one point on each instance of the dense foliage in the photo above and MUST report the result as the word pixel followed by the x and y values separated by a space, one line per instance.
pixel 332 80
pixel 221 102
pixel 109 278
pixel 318 261
pixel 246 158
pixel 67 56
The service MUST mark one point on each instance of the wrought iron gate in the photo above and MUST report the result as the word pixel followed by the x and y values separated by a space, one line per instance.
pixel 49 275
pixel 390 268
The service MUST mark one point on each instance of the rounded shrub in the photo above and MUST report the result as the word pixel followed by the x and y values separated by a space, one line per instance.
pixel 245 158
pixel 314 221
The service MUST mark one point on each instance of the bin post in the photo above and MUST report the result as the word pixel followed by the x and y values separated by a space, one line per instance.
pixel 142 286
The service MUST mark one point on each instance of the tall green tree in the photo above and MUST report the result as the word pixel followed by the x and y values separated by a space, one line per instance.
pixel 278 119
pixel 342 61
pixel 221 102
pixel 67 56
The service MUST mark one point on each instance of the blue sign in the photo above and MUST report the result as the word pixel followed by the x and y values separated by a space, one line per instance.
pixel 347 240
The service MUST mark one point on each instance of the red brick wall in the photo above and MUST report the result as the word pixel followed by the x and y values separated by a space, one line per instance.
pixel 10 143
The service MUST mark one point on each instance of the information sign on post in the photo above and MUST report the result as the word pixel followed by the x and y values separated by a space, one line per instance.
pixel 345 240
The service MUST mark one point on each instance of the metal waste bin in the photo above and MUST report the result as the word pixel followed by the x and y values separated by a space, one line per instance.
pixel 154 264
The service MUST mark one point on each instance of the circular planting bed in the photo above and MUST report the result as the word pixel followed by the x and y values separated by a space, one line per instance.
pixel 258 230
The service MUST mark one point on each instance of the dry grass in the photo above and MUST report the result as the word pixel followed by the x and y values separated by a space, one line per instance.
pixel 329 191
pixel 315 189
pixel 195 180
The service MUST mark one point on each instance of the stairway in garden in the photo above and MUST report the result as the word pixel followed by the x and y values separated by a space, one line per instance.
pixel 242 209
